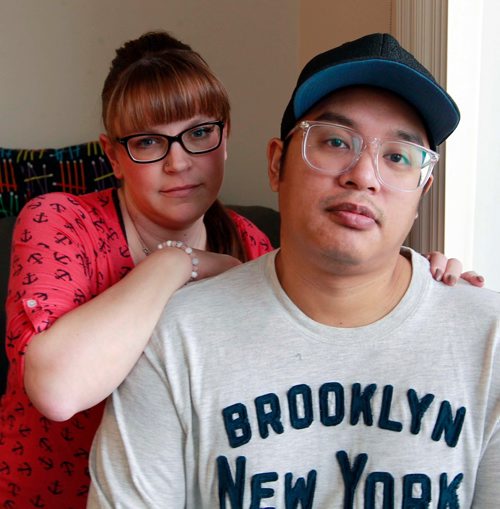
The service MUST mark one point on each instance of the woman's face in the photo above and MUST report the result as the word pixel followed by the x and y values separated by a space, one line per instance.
pixel 175 192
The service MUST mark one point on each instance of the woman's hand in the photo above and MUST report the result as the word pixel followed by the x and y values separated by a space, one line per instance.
pixel 450 270
pixel 211 264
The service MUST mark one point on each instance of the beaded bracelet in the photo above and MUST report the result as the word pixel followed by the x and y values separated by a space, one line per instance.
pixel 188 250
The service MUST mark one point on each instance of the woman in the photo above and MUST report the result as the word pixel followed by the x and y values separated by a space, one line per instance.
pixel 88 285
pixel 101 283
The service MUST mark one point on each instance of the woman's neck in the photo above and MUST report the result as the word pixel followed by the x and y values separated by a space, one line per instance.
pixel 143 235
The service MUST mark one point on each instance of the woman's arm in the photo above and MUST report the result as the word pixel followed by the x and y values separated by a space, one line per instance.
pixel 87 352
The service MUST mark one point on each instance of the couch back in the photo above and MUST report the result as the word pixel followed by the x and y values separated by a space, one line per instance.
pixel 6 227
pixel 26 173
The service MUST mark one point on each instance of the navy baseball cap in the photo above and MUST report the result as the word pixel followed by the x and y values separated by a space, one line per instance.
pixel 375 60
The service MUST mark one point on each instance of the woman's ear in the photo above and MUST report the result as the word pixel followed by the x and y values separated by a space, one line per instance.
pixel 428 185
pixel 224 141
pixel 109 149
pixel 274 153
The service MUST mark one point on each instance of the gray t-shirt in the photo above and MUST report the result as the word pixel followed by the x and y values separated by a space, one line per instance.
pixel 242 401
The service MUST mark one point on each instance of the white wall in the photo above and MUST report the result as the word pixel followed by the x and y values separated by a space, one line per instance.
pixel 486 219
pixel 473 152
pixel 54 56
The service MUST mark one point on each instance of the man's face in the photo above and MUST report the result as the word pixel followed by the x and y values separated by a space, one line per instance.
pixel 351 221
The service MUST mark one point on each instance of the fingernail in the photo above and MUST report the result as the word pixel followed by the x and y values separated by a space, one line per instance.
pixel 451 280
pixel 480 279
pixel 438 275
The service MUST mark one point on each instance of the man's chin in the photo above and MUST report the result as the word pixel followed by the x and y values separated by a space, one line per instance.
pixel 344 257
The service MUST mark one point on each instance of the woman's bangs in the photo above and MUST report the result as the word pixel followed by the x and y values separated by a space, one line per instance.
pixel 154 98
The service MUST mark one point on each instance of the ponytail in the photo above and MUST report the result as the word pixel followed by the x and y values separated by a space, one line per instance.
pixel 222 234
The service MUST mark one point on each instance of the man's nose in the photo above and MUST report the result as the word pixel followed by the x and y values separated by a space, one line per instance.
pixel 363 173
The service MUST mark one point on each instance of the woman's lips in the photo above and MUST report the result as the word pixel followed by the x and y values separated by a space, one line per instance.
pixel 352 215
pixel 180 191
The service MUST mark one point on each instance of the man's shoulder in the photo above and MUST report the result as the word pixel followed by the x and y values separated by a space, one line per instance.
pixel 239 282
pixel 205 308
pixel 487 298
pixel 461 296
pixel 467 301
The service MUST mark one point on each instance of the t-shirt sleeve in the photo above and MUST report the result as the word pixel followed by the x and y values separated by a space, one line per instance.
pixel 136 460
pixel 487 489
pixel 255 242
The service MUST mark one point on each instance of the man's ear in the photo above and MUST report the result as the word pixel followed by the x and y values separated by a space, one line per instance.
pixel 428 185
pixel 109 149
pixel 274 153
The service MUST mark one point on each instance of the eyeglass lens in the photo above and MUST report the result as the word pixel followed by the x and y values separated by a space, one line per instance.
pixel 151 147
pixel 334 149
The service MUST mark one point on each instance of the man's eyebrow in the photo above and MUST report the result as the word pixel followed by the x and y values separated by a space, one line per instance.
pixel 336 118
pixel 411 137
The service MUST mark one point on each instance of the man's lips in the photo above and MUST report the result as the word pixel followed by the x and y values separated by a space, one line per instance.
pixel 353 215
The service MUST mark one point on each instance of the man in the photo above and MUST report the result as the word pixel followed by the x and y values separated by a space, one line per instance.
pixel 334 372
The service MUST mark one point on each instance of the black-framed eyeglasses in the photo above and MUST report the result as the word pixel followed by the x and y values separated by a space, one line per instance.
pixel 334 149
pixel 152 147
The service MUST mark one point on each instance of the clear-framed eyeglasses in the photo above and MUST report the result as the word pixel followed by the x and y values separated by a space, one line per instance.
pixel 335 149
pixel 145 148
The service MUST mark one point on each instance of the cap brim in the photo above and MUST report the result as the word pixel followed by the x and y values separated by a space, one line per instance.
pixel 438 111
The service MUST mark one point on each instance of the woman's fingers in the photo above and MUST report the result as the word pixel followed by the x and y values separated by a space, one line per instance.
pixel 449 270
pixel 473 278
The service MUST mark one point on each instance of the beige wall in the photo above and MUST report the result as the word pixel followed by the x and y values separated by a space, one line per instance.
pixel 325 24
pixel 54 56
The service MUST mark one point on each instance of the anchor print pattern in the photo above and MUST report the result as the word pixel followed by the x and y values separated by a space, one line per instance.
pixel 57 250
